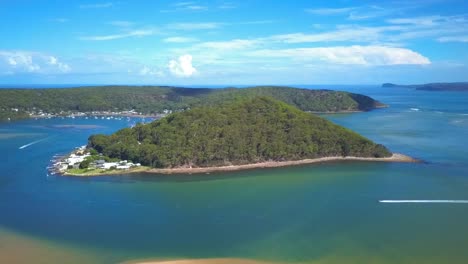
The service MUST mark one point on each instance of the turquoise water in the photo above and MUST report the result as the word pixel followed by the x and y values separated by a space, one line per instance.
pixel 321 213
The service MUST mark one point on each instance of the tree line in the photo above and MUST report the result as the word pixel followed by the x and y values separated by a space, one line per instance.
pixel 156 99
pixel 246 130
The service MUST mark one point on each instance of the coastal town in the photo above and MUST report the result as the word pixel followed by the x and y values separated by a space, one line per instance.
pixel 38 113
pixel 83 161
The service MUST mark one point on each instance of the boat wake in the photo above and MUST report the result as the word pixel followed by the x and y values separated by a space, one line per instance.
pixel 32 143
pixel 424 201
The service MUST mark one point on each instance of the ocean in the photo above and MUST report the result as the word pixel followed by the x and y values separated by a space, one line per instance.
pixel 319 213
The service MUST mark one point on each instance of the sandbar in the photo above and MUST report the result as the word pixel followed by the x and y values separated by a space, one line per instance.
pixel 396 157
pixel 201 261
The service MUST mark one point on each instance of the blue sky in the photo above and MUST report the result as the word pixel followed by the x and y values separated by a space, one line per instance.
pixel 233 42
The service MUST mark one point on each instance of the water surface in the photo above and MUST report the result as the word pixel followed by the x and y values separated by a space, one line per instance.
pixel 319 213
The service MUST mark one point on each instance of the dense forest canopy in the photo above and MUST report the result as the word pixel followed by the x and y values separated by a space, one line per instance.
pixel 247 130
pixel 15 103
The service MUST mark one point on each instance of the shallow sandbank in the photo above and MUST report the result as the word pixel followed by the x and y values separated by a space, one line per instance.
pixel 396 157
pixel 18 248
pixel 201 261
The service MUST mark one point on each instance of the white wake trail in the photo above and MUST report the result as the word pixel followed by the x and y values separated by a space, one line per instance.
pixel 424 201
pixel 32 143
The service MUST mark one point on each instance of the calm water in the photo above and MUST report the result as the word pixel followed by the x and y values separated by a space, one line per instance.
pixel 322 213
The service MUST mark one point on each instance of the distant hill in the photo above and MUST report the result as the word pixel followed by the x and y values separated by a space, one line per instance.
pixel 17 103
pixel 456 86
pixel 245 131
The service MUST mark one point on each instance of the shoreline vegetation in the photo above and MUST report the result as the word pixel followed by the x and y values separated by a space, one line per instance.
pixel 396 157
pixel 154 101
pixel 247 134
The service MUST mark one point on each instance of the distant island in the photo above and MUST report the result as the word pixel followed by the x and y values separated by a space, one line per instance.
pixel 455 86
pixel 244 134
pixel 159 101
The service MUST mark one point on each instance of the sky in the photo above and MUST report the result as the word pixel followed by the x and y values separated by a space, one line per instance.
pixel 233 42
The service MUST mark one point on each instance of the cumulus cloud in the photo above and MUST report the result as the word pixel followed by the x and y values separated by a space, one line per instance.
pixel 182 66
pixel 61 66
pixel 31 62
pixel 20 61
pixel 358 55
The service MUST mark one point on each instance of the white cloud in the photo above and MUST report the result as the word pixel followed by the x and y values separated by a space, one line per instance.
pixel 420 21
pixel 129 34
pixel 196 7
pixel 186 6
pixel 182 67
pixel 12 61
pixel 329 11
pixel 358 55
pixel 97 5
pixel 373 11
pixel 195 26
pixel 179 40
pixel 353 33
pixel 453 39
pixel 20 61
pixel 397 30
pixel 31 62
pixel 55 62
pixel 147 71
pixel 228 45
pixel 183 4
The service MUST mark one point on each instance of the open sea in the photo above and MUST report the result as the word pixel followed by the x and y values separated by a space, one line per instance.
pixel 320 213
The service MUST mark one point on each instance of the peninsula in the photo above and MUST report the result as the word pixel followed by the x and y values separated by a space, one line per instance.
pixel 455 86
pixel 244 134
pixel 159 101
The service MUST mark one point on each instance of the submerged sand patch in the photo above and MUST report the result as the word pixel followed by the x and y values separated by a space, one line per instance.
pixel 17 248
pixel 202 261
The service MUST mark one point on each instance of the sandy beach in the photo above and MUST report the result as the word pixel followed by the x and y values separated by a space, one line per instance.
pixel 201 261
pixel 396 157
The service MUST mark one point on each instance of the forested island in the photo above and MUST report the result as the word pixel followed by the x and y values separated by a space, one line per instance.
pixel 154 100
pixel 249 132
pixel 455 86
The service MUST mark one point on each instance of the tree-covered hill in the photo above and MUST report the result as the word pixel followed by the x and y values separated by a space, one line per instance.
pixel 455 86
pixel 244 131
pixel 15 103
